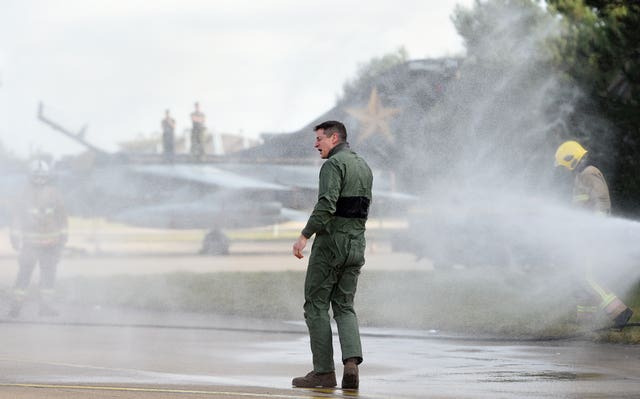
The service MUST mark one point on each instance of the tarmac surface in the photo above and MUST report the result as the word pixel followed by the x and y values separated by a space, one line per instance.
pixel 92 352
pixel 198 356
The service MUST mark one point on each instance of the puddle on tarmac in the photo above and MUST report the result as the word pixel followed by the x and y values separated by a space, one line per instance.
pixel 545 375
pixel 564 375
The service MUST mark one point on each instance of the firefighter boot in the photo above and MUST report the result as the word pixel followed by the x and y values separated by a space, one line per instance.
pixel 315 380
pixel 350 378
pixel 622 319
pixel 617 311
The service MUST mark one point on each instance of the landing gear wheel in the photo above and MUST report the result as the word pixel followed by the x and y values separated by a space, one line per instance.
pixel 215 243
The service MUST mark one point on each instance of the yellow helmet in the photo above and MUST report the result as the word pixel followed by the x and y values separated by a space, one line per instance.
pixel 569 154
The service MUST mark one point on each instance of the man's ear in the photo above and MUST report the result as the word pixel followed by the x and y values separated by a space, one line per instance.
pixel 335 138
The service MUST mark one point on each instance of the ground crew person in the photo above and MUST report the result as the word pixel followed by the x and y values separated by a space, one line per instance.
pixel 337 255
pixel 197 132
pixel 38 232
pixel 168 136
pixel 590 191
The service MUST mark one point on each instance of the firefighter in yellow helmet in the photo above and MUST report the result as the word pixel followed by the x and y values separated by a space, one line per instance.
pixel 590 191
pixel 38 233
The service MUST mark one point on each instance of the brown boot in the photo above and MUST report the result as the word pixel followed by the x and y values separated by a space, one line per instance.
pixel 350 378
pixel 315 380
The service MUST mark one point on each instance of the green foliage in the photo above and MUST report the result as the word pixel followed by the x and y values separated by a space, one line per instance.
pixel 600 51
pixel 485 27
pixel 504 102
pixel 373 68
pixel 593 45
pixel 600 45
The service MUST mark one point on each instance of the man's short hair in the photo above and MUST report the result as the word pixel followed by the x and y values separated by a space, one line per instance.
pixel 331 127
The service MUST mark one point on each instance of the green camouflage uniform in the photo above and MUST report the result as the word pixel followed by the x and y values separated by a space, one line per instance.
pixel 338 221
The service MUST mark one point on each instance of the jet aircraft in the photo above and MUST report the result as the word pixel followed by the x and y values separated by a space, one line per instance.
pixel 216 193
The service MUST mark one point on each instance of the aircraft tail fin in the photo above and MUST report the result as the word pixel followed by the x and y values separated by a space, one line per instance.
pixel 77 137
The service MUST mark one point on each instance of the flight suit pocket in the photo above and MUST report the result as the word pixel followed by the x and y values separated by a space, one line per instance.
pixel 355 254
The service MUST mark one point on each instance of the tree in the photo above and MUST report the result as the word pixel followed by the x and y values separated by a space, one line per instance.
pixel 368 71
pixel 505 103
pixel 600 51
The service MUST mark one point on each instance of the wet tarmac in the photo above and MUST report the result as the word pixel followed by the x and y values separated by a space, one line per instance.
pixel 116 355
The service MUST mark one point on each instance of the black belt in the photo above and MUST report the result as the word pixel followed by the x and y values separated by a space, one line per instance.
pixel 353 207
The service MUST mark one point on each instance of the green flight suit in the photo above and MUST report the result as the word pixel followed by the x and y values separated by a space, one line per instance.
pixel 338 221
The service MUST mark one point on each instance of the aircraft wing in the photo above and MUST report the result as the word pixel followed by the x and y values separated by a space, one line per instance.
pixel 204 213
pixel 207 175
pixel 259 177
pixel 306 177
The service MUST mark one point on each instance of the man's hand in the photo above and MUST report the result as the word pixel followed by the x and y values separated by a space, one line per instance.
pixel 298 246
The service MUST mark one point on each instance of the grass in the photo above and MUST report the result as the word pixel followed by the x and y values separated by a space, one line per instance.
pixel 452 302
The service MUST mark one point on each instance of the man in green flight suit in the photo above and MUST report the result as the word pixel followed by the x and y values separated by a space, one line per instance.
pixel 337 255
